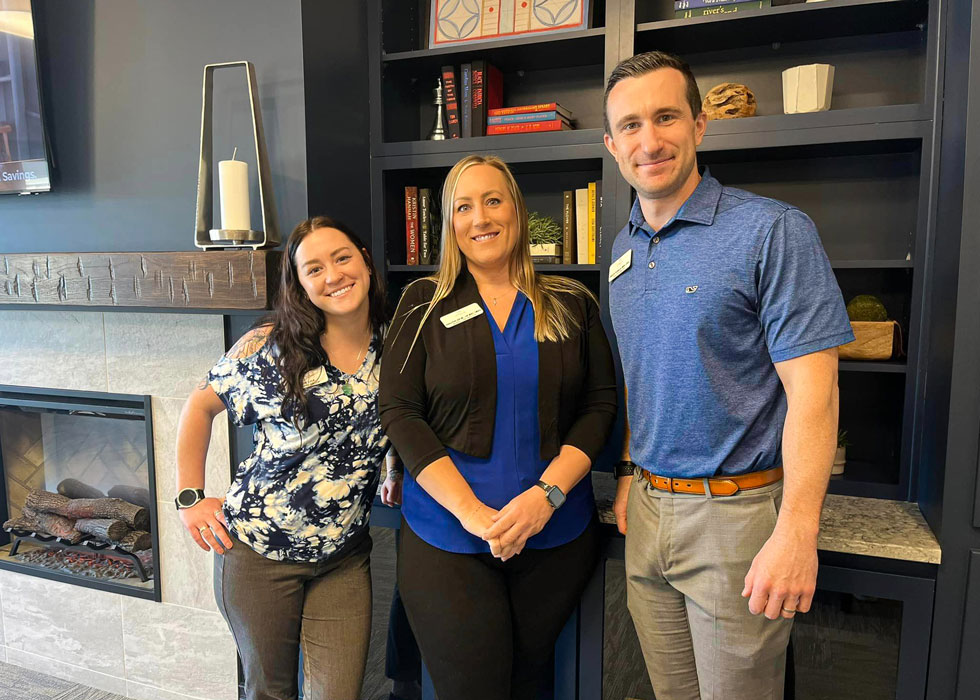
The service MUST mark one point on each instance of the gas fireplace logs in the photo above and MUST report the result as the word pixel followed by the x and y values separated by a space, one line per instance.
pixel 46 523
pixel 136 517
pixel 103 528
pixel 133 494
pixel 73 488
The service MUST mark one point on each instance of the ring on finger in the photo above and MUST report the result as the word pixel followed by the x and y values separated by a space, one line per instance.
pixel 787 611
pixel 217 514
pixel 203 528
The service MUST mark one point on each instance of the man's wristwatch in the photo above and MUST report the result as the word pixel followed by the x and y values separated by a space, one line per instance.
pixel 624 468
pixel 554 495
pixel 187 498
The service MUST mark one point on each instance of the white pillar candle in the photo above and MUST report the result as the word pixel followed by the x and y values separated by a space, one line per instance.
pixel 233 183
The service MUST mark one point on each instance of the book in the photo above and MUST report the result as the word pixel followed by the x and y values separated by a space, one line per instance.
pixel 598 222
pixel 722 9
pixel 582 226
pixel 689 4
pixel 529 117
pixel 452 104
pixel 529 127
pixel 425 226
pixel 592 220
pixel 411 226
pixel 568 228
pixel 525 109
pixel 487 85
pixel 465 112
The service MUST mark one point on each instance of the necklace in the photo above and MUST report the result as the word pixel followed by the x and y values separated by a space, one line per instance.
pixel 346 388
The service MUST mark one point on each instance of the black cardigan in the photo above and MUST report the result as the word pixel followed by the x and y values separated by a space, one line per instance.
pixel 447 393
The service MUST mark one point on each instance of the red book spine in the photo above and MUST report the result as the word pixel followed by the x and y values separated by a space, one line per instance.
pixel 527 127
pixel 479 109
pixel 411 225
pixel 452 103
pixel 494 92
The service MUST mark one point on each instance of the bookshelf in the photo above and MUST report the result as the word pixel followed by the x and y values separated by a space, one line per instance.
pixel 865 171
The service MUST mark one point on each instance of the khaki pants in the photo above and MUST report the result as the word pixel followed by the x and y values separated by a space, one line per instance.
pixel 273 607
pixel 686 561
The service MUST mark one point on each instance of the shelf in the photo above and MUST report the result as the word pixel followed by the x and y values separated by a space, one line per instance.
pixel 871 264
pixel 891 367
pixel 849 131
pixel 789 23
pixel 561 143
pixel 867 479
pixel 538 52
pixel 539 267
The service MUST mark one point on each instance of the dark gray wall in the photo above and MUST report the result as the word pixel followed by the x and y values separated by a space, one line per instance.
pixel 122 82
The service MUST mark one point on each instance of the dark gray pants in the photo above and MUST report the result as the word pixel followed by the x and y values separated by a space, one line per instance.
pixel 273 607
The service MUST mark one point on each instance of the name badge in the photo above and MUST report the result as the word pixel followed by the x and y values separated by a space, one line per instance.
pixel 464 314
pixel 621 265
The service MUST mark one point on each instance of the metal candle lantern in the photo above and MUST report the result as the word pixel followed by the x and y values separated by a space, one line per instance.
pixel 205 236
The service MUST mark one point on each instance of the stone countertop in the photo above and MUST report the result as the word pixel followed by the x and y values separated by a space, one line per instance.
pixel 849 524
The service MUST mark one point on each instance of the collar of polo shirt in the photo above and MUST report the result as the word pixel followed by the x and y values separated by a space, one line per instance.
pixel 699 208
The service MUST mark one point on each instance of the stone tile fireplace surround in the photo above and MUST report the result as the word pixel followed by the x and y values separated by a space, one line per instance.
pixel 179 648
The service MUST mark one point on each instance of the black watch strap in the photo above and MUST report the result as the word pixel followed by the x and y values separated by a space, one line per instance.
pixel 624 468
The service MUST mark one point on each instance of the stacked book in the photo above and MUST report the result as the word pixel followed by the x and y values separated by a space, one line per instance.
pixel 525 119
pixel 422 226
pixel 683 9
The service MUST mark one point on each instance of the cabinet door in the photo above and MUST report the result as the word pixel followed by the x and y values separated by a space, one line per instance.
pixel 968 685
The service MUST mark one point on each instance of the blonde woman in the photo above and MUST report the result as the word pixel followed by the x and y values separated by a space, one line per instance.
pixel 498 391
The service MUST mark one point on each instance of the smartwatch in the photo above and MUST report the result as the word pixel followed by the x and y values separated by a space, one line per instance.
pixel 554 495
pixel 187 498
pixel 624 468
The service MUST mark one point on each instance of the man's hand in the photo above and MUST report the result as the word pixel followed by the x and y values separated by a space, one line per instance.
pixel 522 518
pixel 783 575
pixel 619 505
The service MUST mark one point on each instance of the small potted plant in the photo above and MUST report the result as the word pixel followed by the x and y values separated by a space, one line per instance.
pixel 545 237
pixel 840 457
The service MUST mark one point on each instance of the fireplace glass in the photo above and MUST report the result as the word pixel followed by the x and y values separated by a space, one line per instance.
pixel 78 485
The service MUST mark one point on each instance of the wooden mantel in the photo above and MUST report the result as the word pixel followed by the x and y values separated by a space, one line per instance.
pixel 212 279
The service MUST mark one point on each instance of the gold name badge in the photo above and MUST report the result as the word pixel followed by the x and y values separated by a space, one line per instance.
pixel 464 314
pixel 621 265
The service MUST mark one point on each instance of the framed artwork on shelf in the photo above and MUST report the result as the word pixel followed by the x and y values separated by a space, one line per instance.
pixel 471 21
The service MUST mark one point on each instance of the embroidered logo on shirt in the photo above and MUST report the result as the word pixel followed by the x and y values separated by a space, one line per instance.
pixel 691 289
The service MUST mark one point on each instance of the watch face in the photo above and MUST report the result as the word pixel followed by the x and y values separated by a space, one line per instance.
pixel 187 497
pixel 556 497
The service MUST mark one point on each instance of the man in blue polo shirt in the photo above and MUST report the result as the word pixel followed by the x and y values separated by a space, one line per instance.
pixel 728 317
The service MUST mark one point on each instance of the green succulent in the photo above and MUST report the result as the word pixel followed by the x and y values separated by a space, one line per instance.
pixel 866 307
pixel 842 440
pixel 543 229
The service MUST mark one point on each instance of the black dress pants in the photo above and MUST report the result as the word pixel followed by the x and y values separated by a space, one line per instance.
pixel 487 628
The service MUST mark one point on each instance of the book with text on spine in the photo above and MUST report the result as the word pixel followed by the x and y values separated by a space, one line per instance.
pixel 692 4
pixel 529 127
pixel 411 226
pixel 568 228
pixel 525 109
pixel 592 223
pixel 452 103
pixel 722 9
pixel 582 226
pixel 425 226
pixel 520 118
pixel 465 111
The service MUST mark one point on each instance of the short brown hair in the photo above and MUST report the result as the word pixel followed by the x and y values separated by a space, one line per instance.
pixel 644 63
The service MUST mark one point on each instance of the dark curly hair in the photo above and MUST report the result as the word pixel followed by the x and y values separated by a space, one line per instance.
pixel 296 323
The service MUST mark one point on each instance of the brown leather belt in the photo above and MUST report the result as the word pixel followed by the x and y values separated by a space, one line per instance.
pixel 725 486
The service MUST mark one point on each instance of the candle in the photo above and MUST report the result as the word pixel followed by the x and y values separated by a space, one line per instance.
pixel 233 183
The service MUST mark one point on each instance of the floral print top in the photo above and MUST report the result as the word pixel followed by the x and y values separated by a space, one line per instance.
pixel 304 494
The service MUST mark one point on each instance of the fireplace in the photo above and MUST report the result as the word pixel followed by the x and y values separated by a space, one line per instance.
pixel 78 500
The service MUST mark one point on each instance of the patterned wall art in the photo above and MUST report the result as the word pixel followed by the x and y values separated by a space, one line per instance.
pixel 466 21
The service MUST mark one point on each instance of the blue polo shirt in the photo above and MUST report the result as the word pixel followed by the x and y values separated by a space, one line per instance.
pixel 730 285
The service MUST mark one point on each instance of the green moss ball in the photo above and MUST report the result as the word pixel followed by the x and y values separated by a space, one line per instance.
pixel 866 307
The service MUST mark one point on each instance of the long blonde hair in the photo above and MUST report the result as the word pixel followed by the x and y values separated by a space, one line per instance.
pixel 553 319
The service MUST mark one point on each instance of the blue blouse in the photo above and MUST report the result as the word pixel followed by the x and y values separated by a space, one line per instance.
pixel 514 464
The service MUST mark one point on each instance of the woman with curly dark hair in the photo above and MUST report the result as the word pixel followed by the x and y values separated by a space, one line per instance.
pixel 292 531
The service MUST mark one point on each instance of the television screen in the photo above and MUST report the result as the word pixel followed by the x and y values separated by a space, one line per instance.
pixel 23 154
